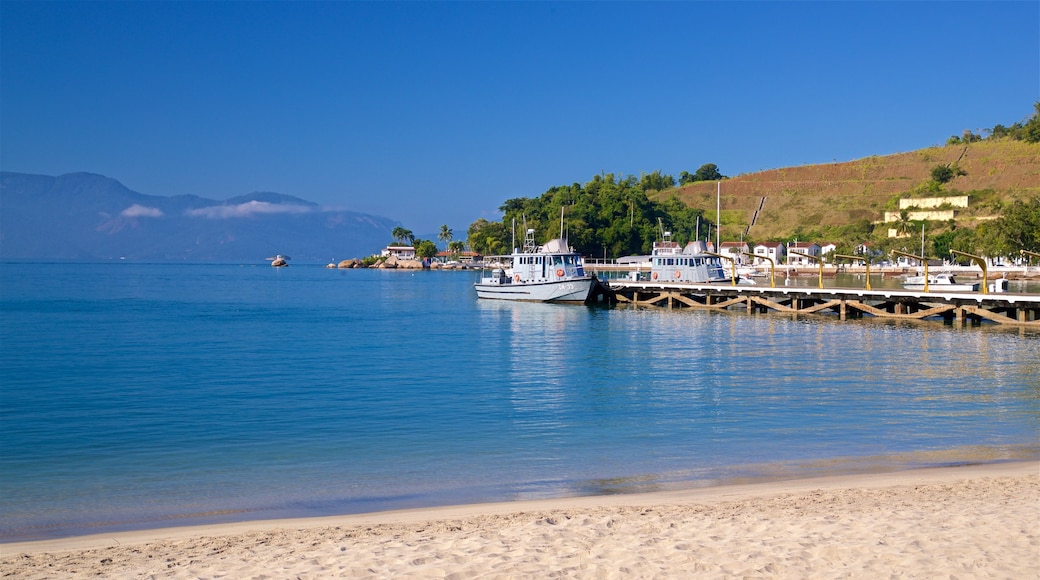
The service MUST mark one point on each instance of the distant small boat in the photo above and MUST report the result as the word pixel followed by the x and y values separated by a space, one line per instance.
pixel 942 282
pixel 279 261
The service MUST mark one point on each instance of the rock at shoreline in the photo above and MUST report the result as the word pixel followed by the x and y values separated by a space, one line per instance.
pixel 390 263
pixel 393 263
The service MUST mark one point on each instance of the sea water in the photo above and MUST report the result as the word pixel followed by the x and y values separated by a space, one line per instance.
pixel 148 395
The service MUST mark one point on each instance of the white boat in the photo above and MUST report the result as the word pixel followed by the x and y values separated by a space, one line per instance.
pixel 552 272
pixel 671 263
pixel 750 272
pixel 941 282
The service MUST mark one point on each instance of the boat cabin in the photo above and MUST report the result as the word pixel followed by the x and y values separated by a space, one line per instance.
pixel 691 264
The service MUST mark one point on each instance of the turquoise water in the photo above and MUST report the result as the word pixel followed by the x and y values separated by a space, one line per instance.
pixel 153 395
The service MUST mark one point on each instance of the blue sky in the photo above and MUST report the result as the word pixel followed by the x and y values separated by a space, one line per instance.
pixel 434 113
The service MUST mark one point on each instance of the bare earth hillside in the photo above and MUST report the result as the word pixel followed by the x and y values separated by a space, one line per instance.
pixel 835 194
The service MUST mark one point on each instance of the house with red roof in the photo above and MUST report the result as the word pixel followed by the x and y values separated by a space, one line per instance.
pixel 734 250
pixel 806 248
pixel 774 251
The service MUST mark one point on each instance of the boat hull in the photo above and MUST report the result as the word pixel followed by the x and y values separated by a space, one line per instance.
pixel 942 287
pixel 575 290
pixel 938 283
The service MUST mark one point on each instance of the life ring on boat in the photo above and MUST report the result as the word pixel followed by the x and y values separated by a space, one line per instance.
pixel 654 275
pixel 678 274
pixel 517 277
pixel 559 272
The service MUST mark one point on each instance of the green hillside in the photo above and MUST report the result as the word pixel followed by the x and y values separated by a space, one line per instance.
pixel 835 200
pixel 980 196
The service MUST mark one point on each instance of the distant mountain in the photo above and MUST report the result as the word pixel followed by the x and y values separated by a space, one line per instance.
pixel 84 216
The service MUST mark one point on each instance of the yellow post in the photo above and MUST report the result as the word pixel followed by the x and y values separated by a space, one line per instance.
pixel 920 259
pixel 732 262
pixel 981 263
pixel 820 260
pixel 861 258
pixel 772 268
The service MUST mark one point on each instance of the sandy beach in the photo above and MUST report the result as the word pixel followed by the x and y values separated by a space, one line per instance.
pixel 978 521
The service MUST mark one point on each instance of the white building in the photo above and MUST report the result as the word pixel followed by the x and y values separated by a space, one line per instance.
pixel 734 250
pixel 773 250
pixel 399 252
pixel 807 248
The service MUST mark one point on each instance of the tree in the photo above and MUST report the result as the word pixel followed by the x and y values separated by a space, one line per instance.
pixel 943 243
pixel 904 226
pixel 656 181
pixel 402 235
pixel 708 172
pixel 514 205
pixel 425 248
pixel 1031 130
pixel 942 173
pixel 1017 229
pixel 456 247
pixel 445 235
pixel 486 237
pixel 946 173
pixel 492 244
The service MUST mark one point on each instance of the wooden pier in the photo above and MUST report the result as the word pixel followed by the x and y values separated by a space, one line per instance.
pixel 847 303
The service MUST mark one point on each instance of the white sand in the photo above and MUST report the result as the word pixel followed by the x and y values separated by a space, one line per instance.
pixel 963 522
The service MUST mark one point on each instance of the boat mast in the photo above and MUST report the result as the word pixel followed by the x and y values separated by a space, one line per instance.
pixel 718 212
pixel 921 240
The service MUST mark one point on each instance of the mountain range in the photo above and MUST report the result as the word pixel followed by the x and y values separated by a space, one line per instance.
pixel 84 216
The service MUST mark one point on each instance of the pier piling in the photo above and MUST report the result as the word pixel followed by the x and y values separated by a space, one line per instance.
pixel 956 308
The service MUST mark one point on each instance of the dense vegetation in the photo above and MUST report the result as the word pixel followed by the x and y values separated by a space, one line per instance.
pixel 1028 131
pixel 608 216
pixel 616 215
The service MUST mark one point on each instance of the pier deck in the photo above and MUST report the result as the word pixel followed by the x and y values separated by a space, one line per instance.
pixel 846 303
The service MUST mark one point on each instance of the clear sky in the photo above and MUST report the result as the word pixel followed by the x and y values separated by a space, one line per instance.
pixel 435 113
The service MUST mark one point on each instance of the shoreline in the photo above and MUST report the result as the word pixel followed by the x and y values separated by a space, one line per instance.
pixel 972 519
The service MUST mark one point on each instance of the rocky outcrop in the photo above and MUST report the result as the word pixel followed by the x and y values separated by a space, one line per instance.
pixel 279 263
pixel 393 263
pixel 390 263
pixel 410 264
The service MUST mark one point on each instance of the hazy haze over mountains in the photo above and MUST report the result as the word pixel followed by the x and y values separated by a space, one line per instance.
pixel 85 216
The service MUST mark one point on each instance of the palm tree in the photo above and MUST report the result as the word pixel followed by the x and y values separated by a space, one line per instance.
pixel 445 235
pixel 904 226
pixel 402 235
pixel 491 243
pixel 456 247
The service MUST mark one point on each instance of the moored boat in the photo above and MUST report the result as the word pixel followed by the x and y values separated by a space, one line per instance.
pixel 941 282
pixel 670 262
pixel 552 272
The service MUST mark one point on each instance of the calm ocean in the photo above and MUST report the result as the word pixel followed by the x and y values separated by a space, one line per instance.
pixel 141 395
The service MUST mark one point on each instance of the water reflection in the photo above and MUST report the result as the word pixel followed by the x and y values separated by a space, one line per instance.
pixel 649 396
